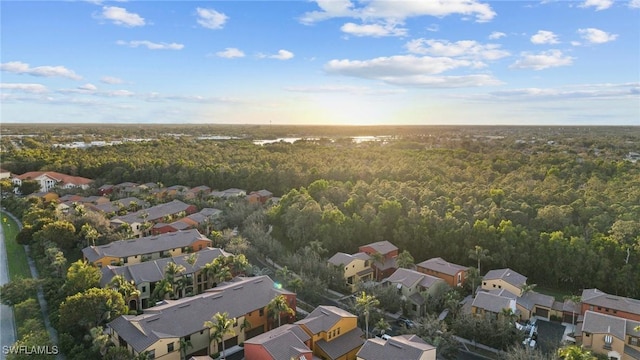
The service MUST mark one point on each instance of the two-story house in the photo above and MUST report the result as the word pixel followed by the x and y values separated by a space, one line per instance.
pixel 334 333
pixel 491 304
pixel 147 274
pixel 405 347
pixel 357 268
pixel 617 338
pixel 50 179
pixel 161 330
pixel 386 265
pixel 154 215
pixel 288 341
pixel 453 274
pixel 137 250
pixel 504 279
pixel 599 301
pixel 413 288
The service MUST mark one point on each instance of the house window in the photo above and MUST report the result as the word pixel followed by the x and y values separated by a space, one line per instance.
pixel 338 331
pixel 170 347
pixel 144 289
pixel 608 340
pixel 151 354
pixel 484 283
pixel 494 285
pixel 499 286
pixel 599 308
pixel 634 341
pixel 414 307
pixel 125 260
pixel 187 338
pixel 261 312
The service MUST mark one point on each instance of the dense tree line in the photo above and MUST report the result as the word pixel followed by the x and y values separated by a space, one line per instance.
pixel 562 212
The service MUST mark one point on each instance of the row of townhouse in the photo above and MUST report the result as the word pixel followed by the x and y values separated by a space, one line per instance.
pixel 49 180
pixel 145 275
pixel 329 332
pixel 176 328
pixel 154 215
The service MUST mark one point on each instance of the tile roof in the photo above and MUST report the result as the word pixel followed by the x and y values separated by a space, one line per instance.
pixel 114 206
pixel 508 275
pixel 597 323
pixel 383 247
pixel 145 245
pixel 152 271
pixel 405 347
pixel 531 298
pixel 341 258
pixel 491 302
pixel 186 316
pixel 155 212
pixel 64 178
pixel 409 278
pixel 442 266
pixel 599 298
pixel 284 342
pixel 342 344
pixel 323 318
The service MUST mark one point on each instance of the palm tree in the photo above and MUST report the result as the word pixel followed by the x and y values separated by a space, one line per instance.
pixel 182 285
pixel 382 325
pixel 171 271
pixel 295 284
pixel 125 288
pixel 377 258
pixel 277 306
pixel 405 260
pixel 479 254
pixel 526 288
pixel 219 326
pixel 162 290
pixel 238 263
pixel 575 352
pixel 210 270
pixel 184 346
pixel 364 304
pixel 575 299
pixel 283 274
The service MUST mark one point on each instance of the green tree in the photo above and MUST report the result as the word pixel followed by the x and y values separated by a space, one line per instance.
pixel 18 290
pixel 171 272
pixel 81 276
pixel 405 260
pixel 127 289
pixel 219 326
pixel 382 326
pixel 62 233
pixel 277 306
pixel 90 234
pixel 479 254
pixel 364 304
pixel 29 187
pixel 575 352
pixel 378 260
pixel 95 307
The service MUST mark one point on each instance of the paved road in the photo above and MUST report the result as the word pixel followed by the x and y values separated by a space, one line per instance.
pixel 7 324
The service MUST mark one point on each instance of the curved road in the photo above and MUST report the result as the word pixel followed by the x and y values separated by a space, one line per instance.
pixel 7 324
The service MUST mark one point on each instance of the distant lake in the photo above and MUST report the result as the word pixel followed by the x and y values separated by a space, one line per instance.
pixel 291 140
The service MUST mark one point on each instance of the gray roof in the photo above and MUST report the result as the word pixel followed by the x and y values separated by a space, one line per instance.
pixel 341 258
pixel 405 347
pixel 597 323
pixel 186 316
pixel 342 344
pixel 531 298
pixel 155 212
pixel 264 193
pixel 323 318
pixel 152 271
pixel 491 302
pixel 508 275
pixel 442 266
pixel 145 245
pixel 599 298
pixel 284 342
pixel 383 247
pixel 409 278
pixel 387 264
pixel 113 206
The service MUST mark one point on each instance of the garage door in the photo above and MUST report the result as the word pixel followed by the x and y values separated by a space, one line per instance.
pixel 542 312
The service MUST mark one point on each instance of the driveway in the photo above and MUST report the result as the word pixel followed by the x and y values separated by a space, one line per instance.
pixel 549 335
pixel 7 324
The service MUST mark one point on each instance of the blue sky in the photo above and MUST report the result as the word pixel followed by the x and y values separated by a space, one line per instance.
pixel 466 62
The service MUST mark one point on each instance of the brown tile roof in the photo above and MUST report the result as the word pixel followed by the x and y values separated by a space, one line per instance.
pixel 409 278
pixel 599 298
pixel 442 266
pixel 340 345
pixel 64 178
pixel 284 342
pixel 323 318
pixel 382 247
pixel 341 258
pixel 405 347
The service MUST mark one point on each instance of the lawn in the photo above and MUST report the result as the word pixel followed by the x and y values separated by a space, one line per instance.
pixel 16 257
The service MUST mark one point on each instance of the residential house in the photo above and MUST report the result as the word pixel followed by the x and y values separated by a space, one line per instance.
pixel 405 347
pixel 50 179
pixel 334 333
pixel 161 330
pixel 105 190
pixel 288 341
pixel 173 191
pixel 504 279
pixel 198 192
pixel 386 267
pixel 491 305
pixel 128 203
pixel 598 301
pixel 154 215
pixel 137 250
pixel 46 196
pixel 533 303
pixel 145 275
pixel 126 189
pixel 609 335
pixel 357 268
pixel 5 174
pixel 453 274
pixel 260 196
pixel 414 287
pixel 229 193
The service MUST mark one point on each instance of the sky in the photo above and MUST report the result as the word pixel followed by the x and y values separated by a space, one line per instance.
pixel 330 62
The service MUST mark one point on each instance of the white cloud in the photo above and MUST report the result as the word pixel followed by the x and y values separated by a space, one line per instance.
pixel 576 43
pixel 397 10
pixel 373 30
pixel 596 36
pixel 433 28
pixel 281 55
pixel 464 49
pixel 111 80
pixel 29 88
pixel 544 37
pixel 598 4
pixel 428 81
pixel 570 92
pixel 497 35
pixel 230 53
pixel 356 90
pixel 119 93
pixel 543 60
pixel 150 45
pixel 120 16
pixel 211 19
pixel 88 87
pixel 18 67
pixel 634 4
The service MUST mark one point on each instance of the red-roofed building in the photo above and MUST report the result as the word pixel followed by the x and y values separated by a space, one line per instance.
pixel 50 179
